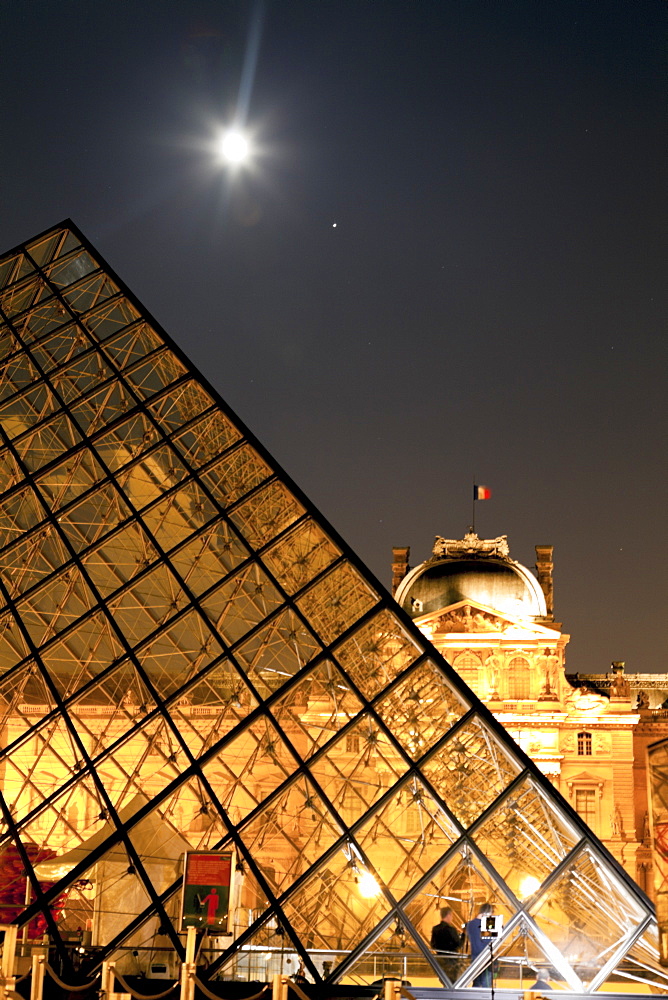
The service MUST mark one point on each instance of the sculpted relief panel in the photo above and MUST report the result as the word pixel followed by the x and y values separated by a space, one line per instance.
pixel 465 620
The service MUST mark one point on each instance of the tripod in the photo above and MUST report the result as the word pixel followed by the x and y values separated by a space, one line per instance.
pixel 491 967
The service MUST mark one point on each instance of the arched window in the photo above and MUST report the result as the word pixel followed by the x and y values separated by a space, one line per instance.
pixel 467 666
pixel 584 744
pixel 519 678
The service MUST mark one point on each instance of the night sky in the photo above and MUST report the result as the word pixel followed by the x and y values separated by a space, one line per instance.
pixel 447 259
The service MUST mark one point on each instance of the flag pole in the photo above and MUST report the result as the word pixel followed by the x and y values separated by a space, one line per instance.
pixel 473 505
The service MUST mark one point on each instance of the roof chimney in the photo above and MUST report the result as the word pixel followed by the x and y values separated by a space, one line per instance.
pixel 399 566
pixel 544 567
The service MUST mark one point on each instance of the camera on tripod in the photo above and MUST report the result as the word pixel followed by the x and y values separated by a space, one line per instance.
pixel 491 925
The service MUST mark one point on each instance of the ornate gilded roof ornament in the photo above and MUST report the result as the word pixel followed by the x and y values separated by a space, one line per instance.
pixel 471 546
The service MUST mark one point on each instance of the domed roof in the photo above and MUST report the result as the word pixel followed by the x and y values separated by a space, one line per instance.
pixel 471 569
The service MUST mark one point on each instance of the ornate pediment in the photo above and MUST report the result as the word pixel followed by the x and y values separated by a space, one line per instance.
pixel 469 619
pixel 584 777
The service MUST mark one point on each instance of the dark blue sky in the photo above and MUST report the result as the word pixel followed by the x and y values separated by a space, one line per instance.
pixel 492 299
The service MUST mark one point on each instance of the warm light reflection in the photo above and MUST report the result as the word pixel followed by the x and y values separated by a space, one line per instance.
pixel 528 885
pixel 367 885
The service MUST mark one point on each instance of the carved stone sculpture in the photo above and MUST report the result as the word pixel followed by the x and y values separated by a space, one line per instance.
pixel 472 546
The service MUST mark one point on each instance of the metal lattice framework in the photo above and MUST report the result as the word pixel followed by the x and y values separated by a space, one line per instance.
pixel 191 658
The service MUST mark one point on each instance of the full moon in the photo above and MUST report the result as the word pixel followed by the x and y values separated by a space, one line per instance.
pixel 234 146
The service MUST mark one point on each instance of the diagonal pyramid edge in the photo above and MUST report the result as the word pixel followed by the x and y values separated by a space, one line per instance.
pixel 151 506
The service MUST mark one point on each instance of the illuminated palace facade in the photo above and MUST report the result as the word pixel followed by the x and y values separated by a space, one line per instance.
pixel 494 621
pixel 192 659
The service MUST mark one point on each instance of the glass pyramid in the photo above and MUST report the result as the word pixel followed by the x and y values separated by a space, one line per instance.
pixel 191 658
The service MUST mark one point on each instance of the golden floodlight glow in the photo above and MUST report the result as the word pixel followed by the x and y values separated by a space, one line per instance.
pixel 528 886
pixel 367 885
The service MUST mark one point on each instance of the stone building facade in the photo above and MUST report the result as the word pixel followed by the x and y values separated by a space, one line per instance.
pixel 494 621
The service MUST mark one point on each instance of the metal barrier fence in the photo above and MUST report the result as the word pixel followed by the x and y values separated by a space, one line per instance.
pixel 280 989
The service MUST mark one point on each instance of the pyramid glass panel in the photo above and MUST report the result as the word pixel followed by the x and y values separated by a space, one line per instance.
pixel 250 766
pixel 289 834
pixel 376 653
pixel 192 659
pixel 641 964
pixel 212 553
pixel 406 836
pixel 339 905
pixel 515 961
pixel 315 709
pixel 267 951
pixel 152 752
pixel 66 819
pixel 357 768
pixel 420 708
pixel 393 954
pixel 336 602
pixel 20 511
pixel 243 601
pixel 594 911
pixel 214 704
pixel 10 473
pixel 470 770
pixel 461 883
pixel 266 514
pixel 68 479
pixel 300 556
pixel 526 837
pixel 203 439
pixel 59 347
pixel 31 559
pixel 235 474
pixel 23 698
pixel 178 653
pixel 34 404
pixel 277 651
pixel 83 652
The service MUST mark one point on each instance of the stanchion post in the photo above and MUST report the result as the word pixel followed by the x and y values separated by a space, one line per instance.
pixel 279 987
pixel 188 968
pixel 391 989
pixel 9 951
pixel 38 971
pixel 7 977
pixel 106 979
pixel 26 927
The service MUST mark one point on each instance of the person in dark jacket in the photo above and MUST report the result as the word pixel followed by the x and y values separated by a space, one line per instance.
pixel 478 943
pixel 446 940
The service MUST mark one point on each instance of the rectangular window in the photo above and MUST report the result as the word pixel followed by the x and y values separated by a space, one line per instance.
pixel 352 743
pixel 585 805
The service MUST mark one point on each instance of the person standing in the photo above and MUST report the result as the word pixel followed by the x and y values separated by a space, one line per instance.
pixel 478 943
pixel 446 941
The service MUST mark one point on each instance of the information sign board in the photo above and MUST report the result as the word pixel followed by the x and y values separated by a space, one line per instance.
pixel 207 890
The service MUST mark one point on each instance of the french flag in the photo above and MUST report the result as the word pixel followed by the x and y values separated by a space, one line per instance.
pixel 481 493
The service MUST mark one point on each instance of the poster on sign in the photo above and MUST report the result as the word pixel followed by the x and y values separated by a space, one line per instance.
pixel 207 890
